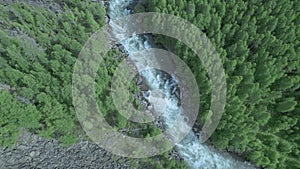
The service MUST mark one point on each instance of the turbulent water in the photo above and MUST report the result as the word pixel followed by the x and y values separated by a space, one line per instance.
pixel 196 155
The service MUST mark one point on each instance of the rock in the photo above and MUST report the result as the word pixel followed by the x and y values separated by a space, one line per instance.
pixel 139 80
pixel 32 154
pixel 45 153
pixel 122 49
pixel 4 87
pixel 23 100
pixel 178 94
pixel 107 19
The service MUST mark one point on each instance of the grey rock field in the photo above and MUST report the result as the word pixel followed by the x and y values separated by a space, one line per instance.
pixel 34 152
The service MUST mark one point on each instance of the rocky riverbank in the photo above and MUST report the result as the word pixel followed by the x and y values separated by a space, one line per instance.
pixel 32 151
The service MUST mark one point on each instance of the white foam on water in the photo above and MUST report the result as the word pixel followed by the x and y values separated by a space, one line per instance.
pixel 195 154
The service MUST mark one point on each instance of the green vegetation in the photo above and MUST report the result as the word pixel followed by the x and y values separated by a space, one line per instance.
pixel 14 115
pixel 38 49
pixel 163 162
pixel 258 42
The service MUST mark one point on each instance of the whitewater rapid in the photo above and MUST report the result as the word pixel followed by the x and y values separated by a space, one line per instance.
pixel 195 154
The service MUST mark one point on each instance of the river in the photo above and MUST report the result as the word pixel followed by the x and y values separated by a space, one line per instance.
pixel 195 154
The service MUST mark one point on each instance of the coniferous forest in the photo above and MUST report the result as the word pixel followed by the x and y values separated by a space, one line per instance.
pixel 39 47
pixel 258 42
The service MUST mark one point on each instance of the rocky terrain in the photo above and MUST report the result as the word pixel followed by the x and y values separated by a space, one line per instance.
pixel 34 152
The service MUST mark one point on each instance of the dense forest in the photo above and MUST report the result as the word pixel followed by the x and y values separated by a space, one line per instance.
pixel 258 42
pixel 39 45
